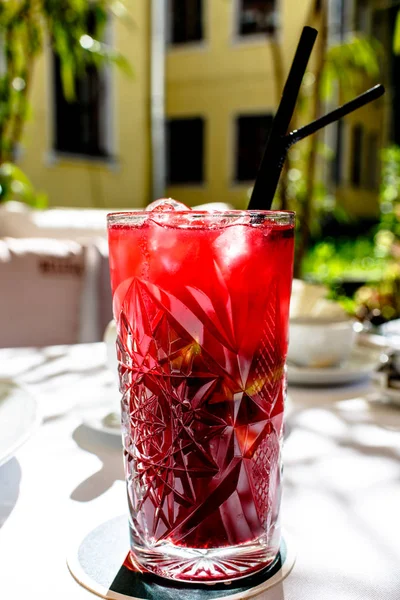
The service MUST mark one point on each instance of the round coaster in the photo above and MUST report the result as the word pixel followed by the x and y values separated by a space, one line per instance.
pixel 100 564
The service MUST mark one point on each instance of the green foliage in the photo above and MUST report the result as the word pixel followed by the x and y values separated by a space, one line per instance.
pixel 347 67
pixel 324 202
pixel 389 226
pixel 75 30
pixel 396 35
pixel 331 262
pixel 374 260
pixel 349 64
pixel 15 185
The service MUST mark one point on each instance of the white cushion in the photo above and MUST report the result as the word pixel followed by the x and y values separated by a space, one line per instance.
pixel 41 292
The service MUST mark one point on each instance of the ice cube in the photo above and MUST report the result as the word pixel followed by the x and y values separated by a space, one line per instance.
pixel 166 205
pixel 232 245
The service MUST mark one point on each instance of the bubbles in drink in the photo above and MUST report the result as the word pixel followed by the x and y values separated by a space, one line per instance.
pixel 166 205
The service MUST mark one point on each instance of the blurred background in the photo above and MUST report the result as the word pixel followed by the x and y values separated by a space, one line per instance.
pixel 109 104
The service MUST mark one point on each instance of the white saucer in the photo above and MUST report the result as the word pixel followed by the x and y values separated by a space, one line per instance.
pixel 19 418
pixel 99 422
pixel 361 364
pixel 98 562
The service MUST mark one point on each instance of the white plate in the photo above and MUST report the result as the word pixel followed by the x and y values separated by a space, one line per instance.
pixel 361 364
pixel 19 417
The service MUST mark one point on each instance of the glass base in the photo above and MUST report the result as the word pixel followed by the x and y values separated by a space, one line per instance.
pixel 208 566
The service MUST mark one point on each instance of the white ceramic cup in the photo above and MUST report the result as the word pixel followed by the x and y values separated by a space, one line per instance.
pixel 320 342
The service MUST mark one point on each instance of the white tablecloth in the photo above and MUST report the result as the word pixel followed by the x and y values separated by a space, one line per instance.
pixel 341 501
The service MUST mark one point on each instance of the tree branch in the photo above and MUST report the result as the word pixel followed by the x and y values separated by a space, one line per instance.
pixel 305 223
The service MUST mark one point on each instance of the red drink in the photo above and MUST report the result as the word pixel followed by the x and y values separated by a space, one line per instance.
pixel 201 302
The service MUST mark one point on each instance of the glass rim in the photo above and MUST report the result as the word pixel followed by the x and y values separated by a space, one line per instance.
pixel 124 217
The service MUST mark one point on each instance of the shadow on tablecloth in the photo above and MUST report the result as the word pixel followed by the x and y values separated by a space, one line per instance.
pixel 10 478
pixel 108 450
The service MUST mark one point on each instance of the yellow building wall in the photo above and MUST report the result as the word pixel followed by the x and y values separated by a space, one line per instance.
pixel 220 79
pixel 224 77
pixel 81 182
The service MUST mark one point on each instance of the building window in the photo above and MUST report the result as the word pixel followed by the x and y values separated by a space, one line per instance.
pixel 372 161
pixel 362 16
pixel 185 151
pixel 356 157
pixel 251 135
pixel 380 27
pixel 186 21
pixel 337 163
pixel 380 30
pixel 82 126
pixel 337 20
pixel 256 16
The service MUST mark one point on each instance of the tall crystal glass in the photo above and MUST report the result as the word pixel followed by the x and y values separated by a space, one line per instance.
pixel 201 302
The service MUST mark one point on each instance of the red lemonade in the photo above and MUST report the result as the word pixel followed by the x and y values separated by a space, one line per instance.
pixel 201 302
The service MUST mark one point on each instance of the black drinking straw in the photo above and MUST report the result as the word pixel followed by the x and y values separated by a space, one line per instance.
pixel 334 115
pixel 271 165
pixel 286 141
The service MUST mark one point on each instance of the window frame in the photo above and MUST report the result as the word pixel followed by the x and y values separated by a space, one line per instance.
pixel 253 38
